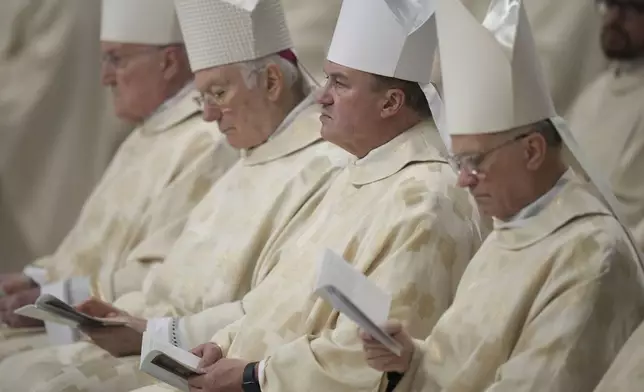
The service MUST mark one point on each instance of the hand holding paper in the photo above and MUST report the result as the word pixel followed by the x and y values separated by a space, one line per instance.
pixel 380 357
pixel 168 363
pixel 353 295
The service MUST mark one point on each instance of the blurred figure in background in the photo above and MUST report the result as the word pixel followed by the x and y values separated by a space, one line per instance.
pixel 565 33
pixel 58 131
pixel 612 109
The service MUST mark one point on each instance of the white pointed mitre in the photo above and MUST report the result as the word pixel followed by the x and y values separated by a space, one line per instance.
pixel 492 79
pixel 148 22
pixel 220 32
pixel 377 36
pixel 492 82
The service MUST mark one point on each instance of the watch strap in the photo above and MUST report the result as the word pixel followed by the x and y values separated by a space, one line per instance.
pixel 250 383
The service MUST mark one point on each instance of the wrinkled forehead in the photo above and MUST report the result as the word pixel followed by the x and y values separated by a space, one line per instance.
pixel 220 76
pixel 338 71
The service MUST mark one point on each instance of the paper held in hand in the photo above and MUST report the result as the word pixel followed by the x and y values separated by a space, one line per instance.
pixel 167 363
pixel 51 309
pixel 355 296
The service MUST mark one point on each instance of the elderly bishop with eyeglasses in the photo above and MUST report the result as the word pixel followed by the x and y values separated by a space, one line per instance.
pixel 556 289
pixel 163 169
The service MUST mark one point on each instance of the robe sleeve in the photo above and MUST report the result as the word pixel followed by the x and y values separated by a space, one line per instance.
pixel 582 323
pixel 417 270
pixel 224 338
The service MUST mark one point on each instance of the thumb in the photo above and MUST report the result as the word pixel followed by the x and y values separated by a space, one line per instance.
pixel 198 351
pixel 393 327
pixel 212 354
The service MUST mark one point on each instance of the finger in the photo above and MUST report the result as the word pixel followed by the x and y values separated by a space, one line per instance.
pixel 381 355
pixel 198 351
pixel 367 338
pixel 385 366
pixel 393 327
pixel 197 381
pixel 85 305
pixel 208 358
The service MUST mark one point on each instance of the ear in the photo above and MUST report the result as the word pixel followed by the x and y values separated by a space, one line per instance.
pixel 273 81
pixel 170 62
pixel 394 101
pixel 535 151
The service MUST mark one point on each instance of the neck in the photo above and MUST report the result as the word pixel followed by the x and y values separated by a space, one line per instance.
pixel 383 135
pixel 175 86
pixel 279 112
pixel 542 182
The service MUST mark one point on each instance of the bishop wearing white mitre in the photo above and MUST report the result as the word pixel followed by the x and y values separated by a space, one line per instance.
pixel 251 85
pixel 394 214
pixel 163 169
pixel 556 289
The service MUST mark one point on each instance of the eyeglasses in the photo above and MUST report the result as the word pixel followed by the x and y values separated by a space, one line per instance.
pixel 632 7
pixel 117 61
pixel 469 163
pixel 216 99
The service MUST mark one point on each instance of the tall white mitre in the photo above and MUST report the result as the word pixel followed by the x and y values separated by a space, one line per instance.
pixel 393 38
pixel 221 32
pixel 148 22
pixel 379 37
pixel 492 80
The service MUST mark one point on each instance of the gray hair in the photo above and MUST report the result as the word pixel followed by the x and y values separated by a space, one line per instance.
pixel 292 74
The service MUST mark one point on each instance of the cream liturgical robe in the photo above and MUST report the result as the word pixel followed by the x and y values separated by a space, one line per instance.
pixel 214 261
pixel 608 123
pixel 626 374
pixel 159 174
pixel 545 305
pixel 395 215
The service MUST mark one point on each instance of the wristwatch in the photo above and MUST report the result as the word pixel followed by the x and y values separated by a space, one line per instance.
pixel 250 383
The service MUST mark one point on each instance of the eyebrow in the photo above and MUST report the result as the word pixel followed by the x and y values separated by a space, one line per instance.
pixel 338 76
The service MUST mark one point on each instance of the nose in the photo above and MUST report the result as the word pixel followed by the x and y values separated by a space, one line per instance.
pixel 465 180
pixel 323 96
pixel 211 113
pixel 107 74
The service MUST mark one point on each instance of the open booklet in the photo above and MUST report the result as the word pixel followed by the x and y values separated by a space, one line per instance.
pixel 355 296
pixel 48 308
pixel 167 363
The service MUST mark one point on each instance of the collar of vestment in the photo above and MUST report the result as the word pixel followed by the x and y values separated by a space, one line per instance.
pixel 627 76
pixel 300 129
pixel 172 112
pixel 573 200
pixel 421 143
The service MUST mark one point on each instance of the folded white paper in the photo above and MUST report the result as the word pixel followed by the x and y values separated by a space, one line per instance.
pixel 167 363
pixel 49 308
pixel 355 296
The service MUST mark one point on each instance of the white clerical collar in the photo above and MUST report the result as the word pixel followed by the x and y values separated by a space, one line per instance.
pixel 535 207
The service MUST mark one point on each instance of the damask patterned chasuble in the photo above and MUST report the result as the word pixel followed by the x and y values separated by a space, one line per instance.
pixel 159 174
pixel 543 306
pixel 397 216
pixel 218 257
